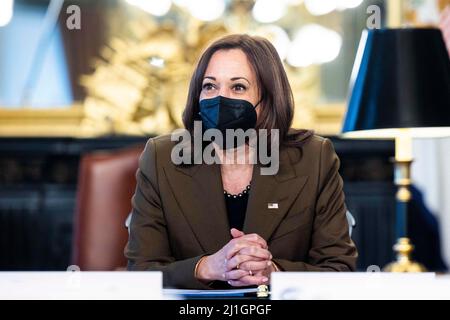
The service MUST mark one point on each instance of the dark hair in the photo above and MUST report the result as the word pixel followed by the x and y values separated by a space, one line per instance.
pixel 277 102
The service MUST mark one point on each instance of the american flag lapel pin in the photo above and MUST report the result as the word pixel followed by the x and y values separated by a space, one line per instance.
pixel 272 205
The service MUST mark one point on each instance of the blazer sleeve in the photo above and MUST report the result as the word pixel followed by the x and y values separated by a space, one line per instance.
pixel 148 247
pixel 331 246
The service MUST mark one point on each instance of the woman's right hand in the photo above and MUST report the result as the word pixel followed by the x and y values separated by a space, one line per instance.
pixel 216 266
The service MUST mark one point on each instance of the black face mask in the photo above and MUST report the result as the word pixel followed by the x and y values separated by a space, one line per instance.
pixel 226 113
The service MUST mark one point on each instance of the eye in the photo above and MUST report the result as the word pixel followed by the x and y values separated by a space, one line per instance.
pixel 239 87
pixel 208 86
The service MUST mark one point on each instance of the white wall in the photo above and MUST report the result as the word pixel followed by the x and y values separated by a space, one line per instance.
pixel 431 173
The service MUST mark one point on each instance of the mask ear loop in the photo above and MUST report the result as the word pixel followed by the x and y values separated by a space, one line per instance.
pixel 254 108
pixel 258 103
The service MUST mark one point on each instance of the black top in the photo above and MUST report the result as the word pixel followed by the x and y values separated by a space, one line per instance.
pixel 236 207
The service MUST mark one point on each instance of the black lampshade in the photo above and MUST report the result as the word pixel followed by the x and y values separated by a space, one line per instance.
pixel 401 79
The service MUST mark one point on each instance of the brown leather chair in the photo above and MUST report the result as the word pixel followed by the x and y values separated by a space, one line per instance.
pixel 105 187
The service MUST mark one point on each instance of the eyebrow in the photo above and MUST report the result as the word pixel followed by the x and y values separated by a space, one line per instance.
pixel 232 79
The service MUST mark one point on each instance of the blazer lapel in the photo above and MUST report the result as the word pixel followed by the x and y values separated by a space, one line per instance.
pixel 271 197
pixel 199 193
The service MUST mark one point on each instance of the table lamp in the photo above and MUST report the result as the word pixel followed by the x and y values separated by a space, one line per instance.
pixel 400 89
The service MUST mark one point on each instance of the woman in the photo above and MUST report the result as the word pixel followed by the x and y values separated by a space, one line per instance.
pixel 210 225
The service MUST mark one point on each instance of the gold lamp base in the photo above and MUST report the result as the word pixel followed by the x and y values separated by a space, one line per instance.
pixel 404 248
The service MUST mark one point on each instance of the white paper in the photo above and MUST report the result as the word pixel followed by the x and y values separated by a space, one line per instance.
pixel 359 286
pixel 84 285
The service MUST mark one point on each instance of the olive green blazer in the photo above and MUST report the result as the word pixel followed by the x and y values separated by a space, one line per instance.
pixel 179 213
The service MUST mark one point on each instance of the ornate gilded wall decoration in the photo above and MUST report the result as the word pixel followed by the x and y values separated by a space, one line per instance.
pixel 142 77
pixel 141 81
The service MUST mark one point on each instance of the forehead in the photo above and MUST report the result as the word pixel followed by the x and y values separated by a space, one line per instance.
pixel 228 64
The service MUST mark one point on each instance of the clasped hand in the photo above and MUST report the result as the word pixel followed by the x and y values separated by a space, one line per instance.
pixel 243 261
